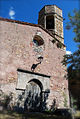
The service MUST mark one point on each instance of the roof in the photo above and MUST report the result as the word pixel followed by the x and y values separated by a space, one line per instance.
pixel 31 24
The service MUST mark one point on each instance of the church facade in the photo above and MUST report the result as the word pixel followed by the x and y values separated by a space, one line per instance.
pixel 31 61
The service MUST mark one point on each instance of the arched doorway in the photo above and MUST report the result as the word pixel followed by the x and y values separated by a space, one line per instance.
pixel 33 93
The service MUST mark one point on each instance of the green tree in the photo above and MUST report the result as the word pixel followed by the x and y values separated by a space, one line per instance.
pixel 74 59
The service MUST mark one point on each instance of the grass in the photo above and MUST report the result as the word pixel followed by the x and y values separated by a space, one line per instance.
pixel 14 115
pixel 77 115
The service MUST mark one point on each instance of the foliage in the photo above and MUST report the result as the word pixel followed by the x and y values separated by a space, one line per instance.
pixel 74 22
pixel 73 103
pixel 65 99
pixel 5 99
pixel 74 59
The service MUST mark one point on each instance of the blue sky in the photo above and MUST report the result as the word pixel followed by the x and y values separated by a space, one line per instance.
pixel 27 10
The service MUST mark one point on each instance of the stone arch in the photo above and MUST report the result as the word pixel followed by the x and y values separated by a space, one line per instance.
pixel 39 83
pixel 27 80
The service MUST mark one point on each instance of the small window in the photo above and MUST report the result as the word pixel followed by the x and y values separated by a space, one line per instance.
pixel 35 42
pixel 38 41
pixel 50 22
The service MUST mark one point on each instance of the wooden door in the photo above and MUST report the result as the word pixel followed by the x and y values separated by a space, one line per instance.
pixel 33 97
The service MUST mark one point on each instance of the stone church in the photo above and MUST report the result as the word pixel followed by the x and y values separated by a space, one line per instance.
pixel 31 61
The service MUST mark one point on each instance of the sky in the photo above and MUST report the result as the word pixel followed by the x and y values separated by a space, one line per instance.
pixel 27 10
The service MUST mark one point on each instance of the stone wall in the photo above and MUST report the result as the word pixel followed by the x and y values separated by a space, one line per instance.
pixel 17 51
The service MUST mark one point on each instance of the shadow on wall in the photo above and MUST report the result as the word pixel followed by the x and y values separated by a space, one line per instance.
pixel 33 98
pixel 33 102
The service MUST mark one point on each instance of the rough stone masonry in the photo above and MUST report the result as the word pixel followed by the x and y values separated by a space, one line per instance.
pixel 31 60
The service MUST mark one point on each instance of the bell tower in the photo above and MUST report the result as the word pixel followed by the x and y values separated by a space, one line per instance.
pixel 50 17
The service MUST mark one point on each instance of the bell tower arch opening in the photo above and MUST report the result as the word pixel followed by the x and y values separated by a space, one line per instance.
pixel 50 22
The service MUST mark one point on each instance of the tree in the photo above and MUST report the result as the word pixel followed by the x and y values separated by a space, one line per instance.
pixel 74 59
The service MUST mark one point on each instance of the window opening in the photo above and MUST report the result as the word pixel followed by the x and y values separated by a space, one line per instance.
pixel 50 22
pixel 38 41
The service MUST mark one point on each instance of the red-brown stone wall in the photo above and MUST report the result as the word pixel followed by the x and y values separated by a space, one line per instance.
pixel 16 51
